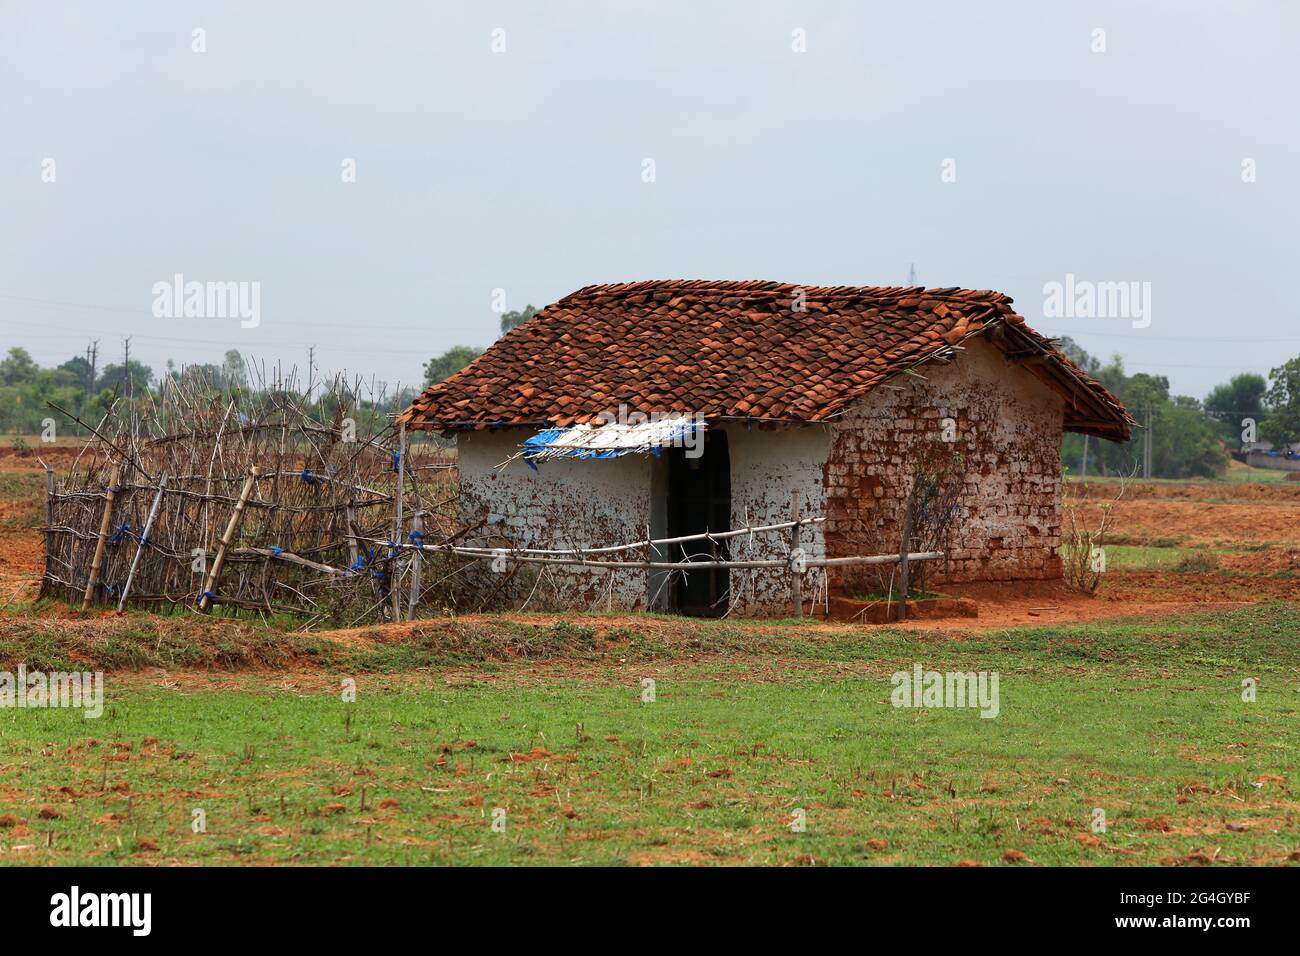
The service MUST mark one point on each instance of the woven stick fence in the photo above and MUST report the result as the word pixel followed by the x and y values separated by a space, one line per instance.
pixel 279 502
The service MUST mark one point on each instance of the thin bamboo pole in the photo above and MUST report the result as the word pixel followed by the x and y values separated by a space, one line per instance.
pixel 903 558
pixel 395 570
pixel 349 515
pixel 205 599
pixel 104 523
pixel 796 576
pixel 655 542
pixel 144 539
pixel 49 523
pixel 478 554
pixel 417 559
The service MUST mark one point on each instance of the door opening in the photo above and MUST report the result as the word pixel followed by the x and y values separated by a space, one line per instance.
pixel 699 500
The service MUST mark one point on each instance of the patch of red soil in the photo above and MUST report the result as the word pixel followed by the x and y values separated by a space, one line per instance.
pixel 1197 523
pixel 51 454
pixel 1122 587
pixel 1012 603
pixel 1186 491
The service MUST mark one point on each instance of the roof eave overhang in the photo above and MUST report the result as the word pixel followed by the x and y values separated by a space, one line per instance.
pixel 1087 410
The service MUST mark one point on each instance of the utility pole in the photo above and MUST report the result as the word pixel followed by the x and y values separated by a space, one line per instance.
pixel 92 359
pixel 911 274
pixel 126 367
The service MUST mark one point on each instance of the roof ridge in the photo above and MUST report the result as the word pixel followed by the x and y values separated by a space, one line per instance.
pixel 943 293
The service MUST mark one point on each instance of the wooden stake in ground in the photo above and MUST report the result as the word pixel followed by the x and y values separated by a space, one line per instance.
pixel 349 516
pixel 796 577
pixel 395 568
pixel 205 599
pixel 144 539
pixel 903 552
pixel 104 523
pixel 49 526
pixel 417 557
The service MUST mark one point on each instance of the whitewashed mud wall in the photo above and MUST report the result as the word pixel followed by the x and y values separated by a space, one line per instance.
pixel 564 504
pixel 767 464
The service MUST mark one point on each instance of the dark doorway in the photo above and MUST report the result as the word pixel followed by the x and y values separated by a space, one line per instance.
pixel 699 500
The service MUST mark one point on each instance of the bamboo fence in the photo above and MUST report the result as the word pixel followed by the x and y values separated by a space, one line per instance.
pixel 197 499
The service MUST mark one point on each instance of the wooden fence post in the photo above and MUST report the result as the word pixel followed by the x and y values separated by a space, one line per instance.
pixel 349 515
pixel 144 538
pixel 49 525
pixel 104 523
pixel 395 567
pixel 417 559
pixel 796 582
pixel 205 599
pixel 902 560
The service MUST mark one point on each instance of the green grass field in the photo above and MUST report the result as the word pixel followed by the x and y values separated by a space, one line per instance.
pixel 1129 557
pixel 1144 720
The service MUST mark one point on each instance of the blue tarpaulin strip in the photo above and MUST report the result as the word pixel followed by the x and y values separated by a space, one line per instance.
pixel 541 445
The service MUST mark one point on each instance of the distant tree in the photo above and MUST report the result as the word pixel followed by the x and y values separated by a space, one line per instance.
pixel 81 370
pixel 115 378
pixel 1185 442
pixel 18 368
pixel 1241 397
pixel 1282 426
pixel 510 320
pixel 206 376
pixel 1078 356
pixel 233 372
pixel 449 363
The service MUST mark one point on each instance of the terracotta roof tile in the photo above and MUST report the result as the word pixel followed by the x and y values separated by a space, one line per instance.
pixel 737 350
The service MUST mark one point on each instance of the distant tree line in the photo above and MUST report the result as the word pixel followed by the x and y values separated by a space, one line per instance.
pixel 1189 438
pixel 88 392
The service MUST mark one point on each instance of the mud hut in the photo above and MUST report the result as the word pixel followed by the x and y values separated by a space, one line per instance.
pixel 657 410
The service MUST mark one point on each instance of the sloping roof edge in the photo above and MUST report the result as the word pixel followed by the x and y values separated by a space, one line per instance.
pixel 1090 408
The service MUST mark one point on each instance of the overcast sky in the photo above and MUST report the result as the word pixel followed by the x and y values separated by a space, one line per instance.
pixel 524 170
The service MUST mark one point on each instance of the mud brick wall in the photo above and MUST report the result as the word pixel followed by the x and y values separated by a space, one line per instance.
pixel 1008 426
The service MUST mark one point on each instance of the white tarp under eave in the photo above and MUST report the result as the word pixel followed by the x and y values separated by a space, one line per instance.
pixel 614 439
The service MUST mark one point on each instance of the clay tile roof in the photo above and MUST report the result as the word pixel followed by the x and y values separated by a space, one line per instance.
pixel 739 350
